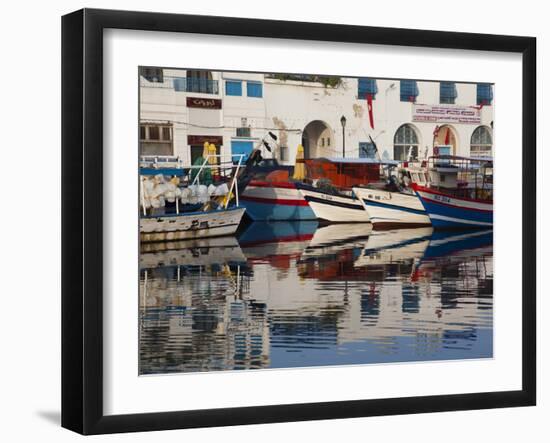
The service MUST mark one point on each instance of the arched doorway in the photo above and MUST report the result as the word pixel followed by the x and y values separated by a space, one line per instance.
pixel 447 136
pixel 481 143
pixel 318 140
pixel 405 140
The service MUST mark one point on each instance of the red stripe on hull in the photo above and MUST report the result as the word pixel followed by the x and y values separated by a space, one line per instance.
pixel 279 201
pixel 433 191
pixel 437 202
pixel 261 184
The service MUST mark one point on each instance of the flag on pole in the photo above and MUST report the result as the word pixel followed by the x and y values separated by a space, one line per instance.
pixel 448 136
pixel 369 105
pixel 480 107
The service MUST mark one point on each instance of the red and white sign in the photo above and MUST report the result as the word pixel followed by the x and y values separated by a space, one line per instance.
pixel 446 114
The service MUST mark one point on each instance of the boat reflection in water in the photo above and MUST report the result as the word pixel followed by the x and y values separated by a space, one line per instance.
pixel 296 295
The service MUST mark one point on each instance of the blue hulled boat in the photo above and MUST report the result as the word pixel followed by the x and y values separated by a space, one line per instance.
pixel 459 193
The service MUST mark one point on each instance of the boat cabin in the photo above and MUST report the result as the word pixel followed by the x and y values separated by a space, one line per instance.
pixel 461 176
pixel 413 172
pixel 345 173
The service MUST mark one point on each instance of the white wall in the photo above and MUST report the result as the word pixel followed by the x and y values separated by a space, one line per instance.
pixel 294 104
pixel 236 107
pixel 289 107
pixel 30 324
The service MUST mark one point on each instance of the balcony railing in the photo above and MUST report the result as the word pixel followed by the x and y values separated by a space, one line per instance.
pixel 184 84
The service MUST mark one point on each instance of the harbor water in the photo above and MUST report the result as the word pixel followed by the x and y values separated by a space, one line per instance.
pixel 287 295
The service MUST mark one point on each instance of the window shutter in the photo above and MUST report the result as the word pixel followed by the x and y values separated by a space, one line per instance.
pixel 484 94
pixel 233 88
pixel 366 86
pixel 408 90
pixel 253 89
pixel 447 92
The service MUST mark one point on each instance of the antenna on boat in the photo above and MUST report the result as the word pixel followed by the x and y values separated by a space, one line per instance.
pixel 375 148
pixel 265 142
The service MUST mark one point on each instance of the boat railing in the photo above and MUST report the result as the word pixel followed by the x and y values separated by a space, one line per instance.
pixel 453 161
pixel 218 164
pixel 160 161
pixel 213 162
pixel 473 175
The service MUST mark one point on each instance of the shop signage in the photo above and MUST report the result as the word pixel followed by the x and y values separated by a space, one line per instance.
pixel 201 139
pixel 206 103
pixel 446 114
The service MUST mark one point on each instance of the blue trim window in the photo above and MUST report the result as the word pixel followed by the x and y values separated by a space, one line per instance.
pixel 408 90
pixel 447 93
pixel 366 86
pixel 254 89
pixel 233 87
pixel 484 94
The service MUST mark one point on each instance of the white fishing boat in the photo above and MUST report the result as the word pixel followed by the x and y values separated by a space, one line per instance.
pixel 211 214
pixel 186 226
pixel 388 200
pixel 334 206
pixel 389 209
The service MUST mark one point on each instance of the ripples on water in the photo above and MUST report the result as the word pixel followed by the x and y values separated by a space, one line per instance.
pixel 295 295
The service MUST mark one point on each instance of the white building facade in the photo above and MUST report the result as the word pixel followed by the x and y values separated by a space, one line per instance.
pixel 331 117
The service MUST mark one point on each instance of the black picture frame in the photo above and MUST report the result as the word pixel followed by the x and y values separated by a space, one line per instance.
pixel 82 219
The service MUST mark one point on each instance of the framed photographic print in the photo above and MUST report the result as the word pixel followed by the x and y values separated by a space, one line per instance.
pixel 270 221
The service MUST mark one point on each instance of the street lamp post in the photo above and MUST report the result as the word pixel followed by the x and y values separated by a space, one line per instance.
pixel 343 122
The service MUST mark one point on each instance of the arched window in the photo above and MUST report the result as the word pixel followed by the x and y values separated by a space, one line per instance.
pixel 405 138
pixel 481 143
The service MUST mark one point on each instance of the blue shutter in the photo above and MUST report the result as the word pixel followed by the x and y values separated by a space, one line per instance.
pixel 408 90
pixel 233 88
pixel 447 92
pixel 366 86
pixel 254 89
pixel 241 147
pixel 484 94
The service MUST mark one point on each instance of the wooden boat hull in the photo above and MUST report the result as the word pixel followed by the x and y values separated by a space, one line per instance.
pixel 274 201
pixel 334 208
pixel 392 209
pixel 446 211
pixel 190 225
